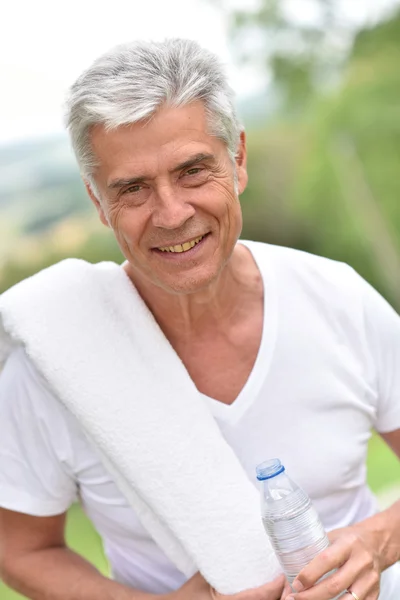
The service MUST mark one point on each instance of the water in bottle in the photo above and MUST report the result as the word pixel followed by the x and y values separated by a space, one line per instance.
pixel 290 520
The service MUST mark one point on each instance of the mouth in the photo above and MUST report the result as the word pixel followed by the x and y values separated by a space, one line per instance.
pixel 184 247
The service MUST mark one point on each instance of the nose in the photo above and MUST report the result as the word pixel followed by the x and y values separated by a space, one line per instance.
pixel 171 210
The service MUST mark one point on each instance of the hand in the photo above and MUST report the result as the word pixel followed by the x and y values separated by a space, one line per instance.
pixel 355 554
pixel 270 591
pixel 197 588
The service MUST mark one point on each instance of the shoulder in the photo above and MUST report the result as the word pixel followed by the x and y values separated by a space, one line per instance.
pixel 30 310
pixel 25 394
pixel 306 270
pixel 20 374
pixel 315 289
pixel 20 370
pixel 314 286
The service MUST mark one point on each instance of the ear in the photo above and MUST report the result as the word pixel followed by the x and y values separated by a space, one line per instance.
pixel 241 163
pixel 97 204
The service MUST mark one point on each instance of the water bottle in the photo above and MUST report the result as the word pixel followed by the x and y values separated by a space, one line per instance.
pixel 290 520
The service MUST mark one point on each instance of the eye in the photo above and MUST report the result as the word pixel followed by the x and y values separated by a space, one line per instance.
pixel 135 194
pixel 195 176
pixel 194 171
pixel 133 189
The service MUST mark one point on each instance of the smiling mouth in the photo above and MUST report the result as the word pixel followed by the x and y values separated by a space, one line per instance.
pixel 182 247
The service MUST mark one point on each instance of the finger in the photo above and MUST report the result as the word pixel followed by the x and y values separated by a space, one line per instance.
pixel 286 590
pixel 372 596
pixel 328 588
pixel 327 561
pixel 335 583
pixel 365 588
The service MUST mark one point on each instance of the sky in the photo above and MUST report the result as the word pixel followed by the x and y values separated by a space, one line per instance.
pixel 45 45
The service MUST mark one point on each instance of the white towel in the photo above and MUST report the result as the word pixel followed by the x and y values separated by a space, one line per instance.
pixel 90 334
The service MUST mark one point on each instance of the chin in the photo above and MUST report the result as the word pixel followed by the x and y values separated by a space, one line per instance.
pixel 186 284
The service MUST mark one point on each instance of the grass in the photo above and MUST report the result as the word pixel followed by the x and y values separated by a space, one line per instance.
pixel 383 472
pixel 383 466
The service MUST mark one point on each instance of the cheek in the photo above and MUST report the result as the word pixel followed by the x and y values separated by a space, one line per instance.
pixel 128 224
pixel 115 216
pixel 220 199
pixel 236 221
pixel 229 207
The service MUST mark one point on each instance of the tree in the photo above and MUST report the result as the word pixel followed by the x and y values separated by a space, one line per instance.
pixel 339 188
pixel 302 56
pixel 350 187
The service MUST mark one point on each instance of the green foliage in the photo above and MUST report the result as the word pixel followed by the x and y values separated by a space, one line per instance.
pixel 300 56
pixel 99 246
pixel 350 187
pixel 383 466
pixel 327 181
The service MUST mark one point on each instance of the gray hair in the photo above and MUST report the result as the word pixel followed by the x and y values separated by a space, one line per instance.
pixel 132 81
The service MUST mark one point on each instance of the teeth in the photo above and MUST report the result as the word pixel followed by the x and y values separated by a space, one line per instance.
pixel 182 247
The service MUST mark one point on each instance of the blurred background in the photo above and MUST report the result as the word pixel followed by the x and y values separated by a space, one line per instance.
pixel 318 89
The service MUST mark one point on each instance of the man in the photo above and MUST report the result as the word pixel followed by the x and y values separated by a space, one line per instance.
pixel 295 355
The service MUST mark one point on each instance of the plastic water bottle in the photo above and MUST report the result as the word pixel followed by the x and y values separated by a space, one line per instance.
pixel 290 520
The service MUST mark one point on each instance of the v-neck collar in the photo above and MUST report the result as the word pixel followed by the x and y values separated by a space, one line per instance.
pixel 231 413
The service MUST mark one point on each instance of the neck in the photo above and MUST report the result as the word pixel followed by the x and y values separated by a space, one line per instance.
pixel 202 312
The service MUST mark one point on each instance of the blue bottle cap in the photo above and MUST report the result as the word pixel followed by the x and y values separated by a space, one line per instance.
pixel 269 468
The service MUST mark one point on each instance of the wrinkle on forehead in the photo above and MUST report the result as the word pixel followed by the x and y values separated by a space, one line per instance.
pixel 171 137
pixel 124 155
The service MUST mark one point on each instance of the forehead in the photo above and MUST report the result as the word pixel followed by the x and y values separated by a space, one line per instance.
pixel 170 135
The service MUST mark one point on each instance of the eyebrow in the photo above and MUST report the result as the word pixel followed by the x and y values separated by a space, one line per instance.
pixel 193 161
pixel 190 162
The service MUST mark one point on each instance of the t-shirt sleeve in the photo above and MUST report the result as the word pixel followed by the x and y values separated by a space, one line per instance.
pixel 382 325
pixel 35 477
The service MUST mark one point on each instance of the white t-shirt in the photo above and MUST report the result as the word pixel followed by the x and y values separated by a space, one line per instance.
pixel 327 371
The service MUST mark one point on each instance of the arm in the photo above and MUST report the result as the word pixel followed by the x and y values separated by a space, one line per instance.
pixel 35 484
pixel 391 517
pixel 361 552
pixel 35 561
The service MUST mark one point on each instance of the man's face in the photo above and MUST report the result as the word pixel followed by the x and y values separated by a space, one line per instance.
pixel 167 189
